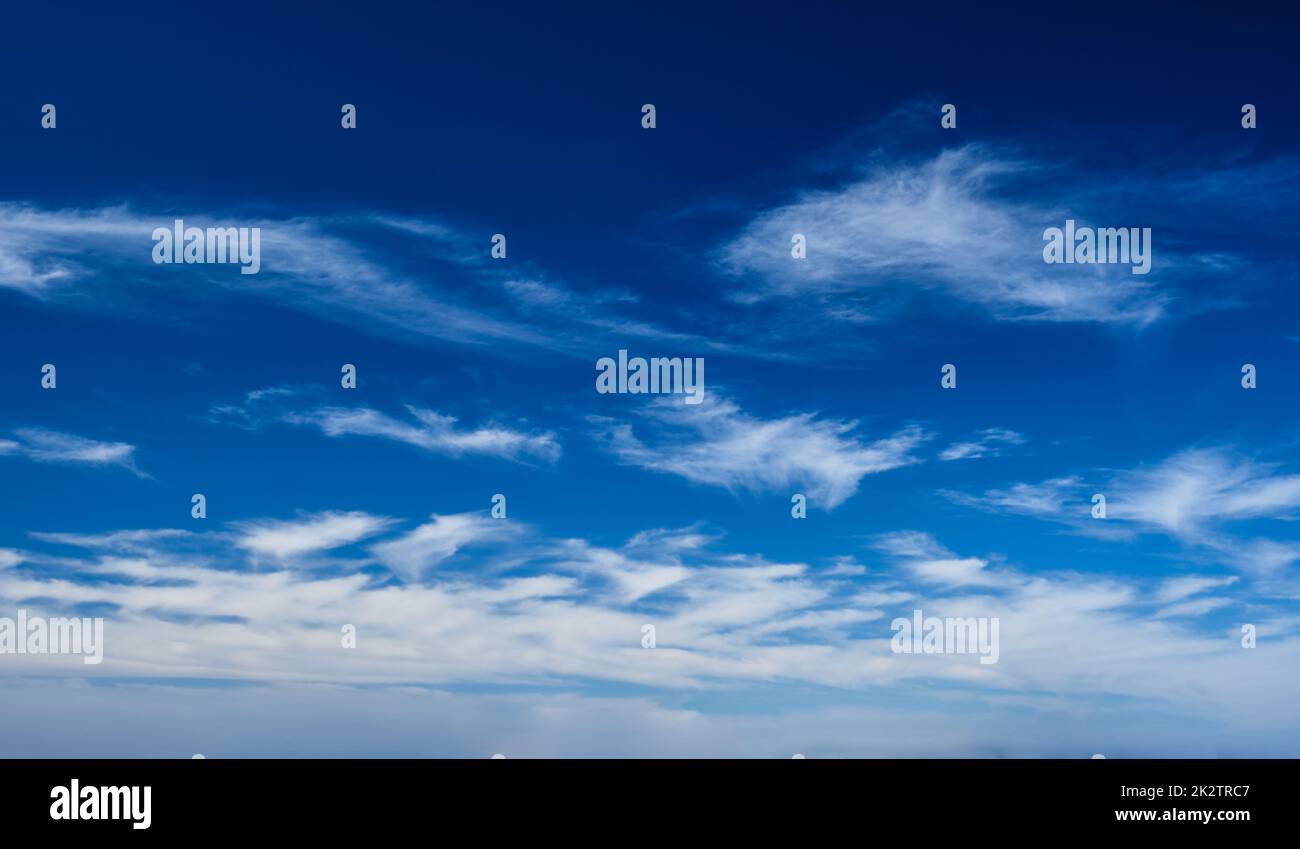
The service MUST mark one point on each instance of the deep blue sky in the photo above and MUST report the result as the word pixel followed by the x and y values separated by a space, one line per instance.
pixel 923 250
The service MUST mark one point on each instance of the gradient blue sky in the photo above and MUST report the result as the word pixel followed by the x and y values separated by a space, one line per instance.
pixel 476 376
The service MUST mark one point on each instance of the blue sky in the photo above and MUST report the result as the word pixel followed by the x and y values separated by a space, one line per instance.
pixel 370 506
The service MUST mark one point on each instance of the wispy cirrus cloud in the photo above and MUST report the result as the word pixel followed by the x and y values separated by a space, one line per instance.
pixel 967 223
pixel 41 249
pixel 1193 490
pixel 931 563
pixel 1056 498
pixel 412 554
pixel 1206 498
pixel 425 429
pixel 1201 497
pixel 320 265
pixel 432 431
pixel 943 224
pixel 337 267
pixel 309 534
pixel 1185 495
pixel 987 443
pixel 42 445
pixel 1177 595
pixel 1186 586
pixel 719 444
pixel 142 540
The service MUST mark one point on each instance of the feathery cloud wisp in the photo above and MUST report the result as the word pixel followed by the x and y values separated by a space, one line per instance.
pixel 719 444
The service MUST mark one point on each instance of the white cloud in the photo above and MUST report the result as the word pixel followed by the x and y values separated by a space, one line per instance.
pixel 1178 589
pixel 339 268
pixel 130 540
pixel 1176 594
pixel 911 545
pixel 305 263
pixel 941 225
pixel 633 573
pixel 319 532
pixel 717 443
pixel 1055 498
pixel 427 429
pixel 38 248
pixel 1197 497
pixel 1266 559
pixel 930 562
pixel 1183 495
pixel 1195 607
pixel 50 446
pixel 845 565
pixel 1189 491
pixel 955 572
pixel 672 540
pixel 432 432
pixel 987 443
pixel 417 551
